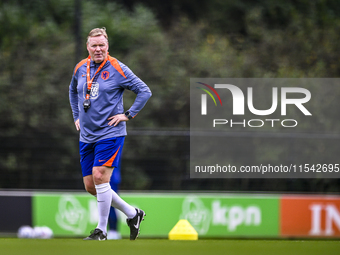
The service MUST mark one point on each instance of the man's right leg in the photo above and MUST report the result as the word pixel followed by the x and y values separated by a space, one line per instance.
pixel 89 185
pixel 87 160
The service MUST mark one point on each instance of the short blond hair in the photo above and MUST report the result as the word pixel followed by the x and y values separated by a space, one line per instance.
pixel 98 32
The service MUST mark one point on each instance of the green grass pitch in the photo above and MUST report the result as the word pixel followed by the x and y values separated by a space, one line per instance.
pixel 14 246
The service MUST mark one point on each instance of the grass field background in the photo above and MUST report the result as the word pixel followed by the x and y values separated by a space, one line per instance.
pixel 15 246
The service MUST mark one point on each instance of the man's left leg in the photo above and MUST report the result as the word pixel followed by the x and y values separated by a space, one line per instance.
pixel 106 197
pixel 110 149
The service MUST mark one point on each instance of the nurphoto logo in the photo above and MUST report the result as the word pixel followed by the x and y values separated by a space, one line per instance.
pixel 238 107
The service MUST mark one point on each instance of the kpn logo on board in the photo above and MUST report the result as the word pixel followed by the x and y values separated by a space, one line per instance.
pixel 282 98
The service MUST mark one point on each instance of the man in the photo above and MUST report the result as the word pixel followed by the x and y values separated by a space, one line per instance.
pixel 96 98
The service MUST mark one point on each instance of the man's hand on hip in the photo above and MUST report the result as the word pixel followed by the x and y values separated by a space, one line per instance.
pixel 114 120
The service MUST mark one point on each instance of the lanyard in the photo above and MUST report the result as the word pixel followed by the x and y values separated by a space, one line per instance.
pixel 89 81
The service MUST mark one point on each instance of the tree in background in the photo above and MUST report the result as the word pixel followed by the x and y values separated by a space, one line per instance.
pixel 165 43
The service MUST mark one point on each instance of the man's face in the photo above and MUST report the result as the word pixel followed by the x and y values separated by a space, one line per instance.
pixel 97 47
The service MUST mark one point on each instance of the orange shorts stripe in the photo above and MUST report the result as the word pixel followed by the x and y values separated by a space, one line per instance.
pixel 110 161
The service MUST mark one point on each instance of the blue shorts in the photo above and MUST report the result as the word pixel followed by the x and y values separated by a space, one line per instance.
pixel 107 152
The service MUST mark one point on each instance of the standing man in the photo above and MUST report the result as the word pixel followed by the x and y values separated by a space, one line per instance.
pixel 96 98
pixel 113 233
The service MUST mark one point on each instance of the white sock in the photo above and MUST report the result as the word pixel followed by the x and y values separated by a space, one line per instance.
pixel 121 205
pixel 104 198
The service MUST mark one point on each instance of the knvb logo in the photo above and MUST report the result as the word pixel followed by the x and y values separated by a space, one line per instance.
pixel 234 216
pixel 239 99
